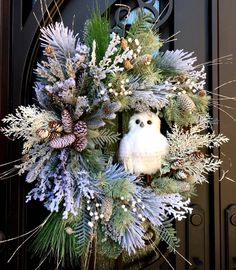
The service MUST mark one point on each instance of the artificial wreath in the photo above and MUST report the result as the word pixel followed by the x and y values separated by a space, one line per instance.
pixel 95 192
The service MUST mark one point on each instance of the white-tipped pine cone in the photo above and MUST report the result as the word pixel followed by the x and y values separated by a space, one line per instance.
pixel 80 144
pixel 80 129
pixel 186 103
pixel 62 142
pixel 42 133
pixel 177 164
pixel 55 126
pixel 67 121
pixel 106 208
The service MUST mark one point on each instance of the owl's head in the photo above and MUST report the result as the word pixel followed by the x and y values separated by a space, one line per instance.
pixel 147 121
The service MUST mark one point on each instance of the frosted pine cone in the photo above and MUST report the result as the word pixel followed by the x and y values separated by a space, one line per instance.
pixel 59 143
pixel 67 121
pixel 80 144
pixel 80 129
pixel 106 208
pixel 186 103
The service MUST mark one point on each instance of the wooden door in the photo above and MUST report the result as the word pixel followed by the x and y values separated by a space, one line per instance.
pixel 208 236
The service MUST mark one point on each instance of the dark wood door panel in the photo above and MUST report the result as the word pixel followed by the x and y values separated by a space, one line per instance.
pixel 191 18
pixel 227 73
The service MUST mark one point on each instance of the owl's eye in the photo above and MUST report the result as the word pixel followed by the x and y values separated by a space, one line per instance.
pixel 137 121
pixel 149 122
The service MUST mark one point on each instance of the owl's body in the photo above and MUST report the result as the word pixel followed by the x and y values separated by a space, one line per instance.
pixel 143 149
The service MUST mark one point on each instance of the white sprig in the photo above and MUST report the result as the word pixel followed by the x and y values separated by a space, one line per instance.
pixel 177 60
pixel 175 205
pixel 110 64
pixel 185 142
pixel 25 123
pixel 60 38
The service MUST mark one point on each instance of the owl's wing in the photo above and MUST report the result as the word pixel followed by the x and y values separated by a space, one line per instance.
pixel 125 154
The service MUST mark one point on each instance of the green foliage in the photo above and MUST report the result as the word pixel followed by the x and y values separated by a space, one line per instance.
pixel 166 185
pixel 140 24
pixel 120 219
pixel 166 73
pixel 174 114
pixel 92 159
pixel 52 240
pixel 107 246
pixel 201 103
pixel 142 30
pixel 191 192
pixel 104 136
pixel 97 28
pixel 151 42
pixel 83 233
pixel 147 73
pixel 168 235
pixel 117 188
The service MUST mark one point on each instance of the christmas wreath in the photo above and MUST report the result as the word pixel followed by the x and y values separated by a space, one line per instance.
pixel 98 194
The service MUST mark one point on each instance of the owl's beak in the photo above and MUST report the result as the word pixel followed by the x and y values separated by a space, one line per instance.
pixel 142 124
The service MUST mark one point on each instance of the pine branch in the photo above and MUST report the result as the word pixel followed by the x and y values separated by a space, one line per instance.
pixel 97 28
pixel 105 136
pixel 52 240
pixel 107 246
pixel 140 25
pixel 60 38
pixel 83 233
pixel 25 123
pixel 168 235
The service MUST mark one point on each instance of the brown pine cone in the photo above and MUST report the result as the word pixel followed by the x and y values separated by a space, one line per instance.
pixel 80 144
pixel 202 93
pixel 127 65
pixel 62 142
pixel 49 50
pixel 80 129
pixel 124 43
pixel 106 208
pixel 196 156
pixel 67 121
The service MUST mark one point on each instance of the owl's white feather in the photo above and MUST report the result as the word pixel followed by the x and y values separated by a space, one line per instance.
pixel 143 148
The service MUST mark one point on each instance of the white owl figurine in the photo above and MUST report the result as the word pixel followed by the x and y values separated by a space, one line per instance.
pixel 143 149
